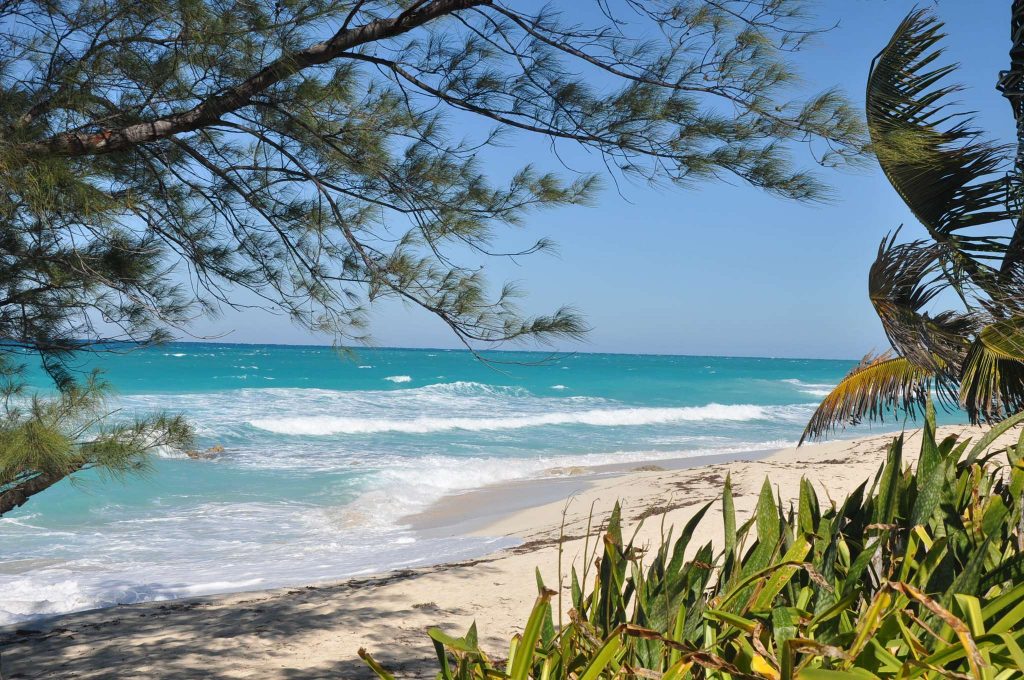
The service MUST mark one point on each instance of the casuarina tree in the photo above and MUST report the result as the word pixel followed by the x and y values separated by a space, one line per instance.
pixel 160 160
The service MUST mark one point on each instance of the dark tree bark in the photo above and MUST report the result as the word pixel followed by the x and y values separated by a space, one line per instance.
pixel 211 110
pixel 19 492
pixel 1011 84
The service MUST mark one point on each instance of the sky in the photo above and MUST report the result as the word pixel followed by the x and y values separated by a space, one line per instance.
pixel 718 269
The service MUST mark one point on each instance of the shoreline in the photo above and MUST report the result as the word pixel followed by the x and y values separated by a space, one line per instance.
pixel 315 631
pixel 494 505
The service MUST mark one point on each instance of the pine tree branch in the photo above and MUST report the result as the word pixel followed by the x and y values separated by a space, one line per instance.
pixel 19 492
pixel 213 108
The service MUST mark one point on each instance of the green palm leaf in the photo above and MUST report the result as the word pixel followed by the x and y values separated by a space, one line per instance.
pixel 903 279
pixel 941 167
pixel 879 385
pixel 992 382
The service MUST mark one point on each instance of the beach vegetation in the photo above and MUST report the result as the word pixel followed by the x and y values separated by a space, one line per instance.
pixel 965 191
pixel 162 161
pixel 915 574
pixel 45 439
pixel 159 161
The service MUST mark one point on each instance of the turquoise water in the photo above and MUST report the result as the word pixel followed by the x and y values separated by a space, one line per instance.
pixel 325 455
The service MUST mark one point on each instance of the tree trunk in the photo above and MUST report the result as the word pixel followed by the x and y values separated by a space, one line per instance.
pixel 1011 84
pixel 19 494
pixel 210 110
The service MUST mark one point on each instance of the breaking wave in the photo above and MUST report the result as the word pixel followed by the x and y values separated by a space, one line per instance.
pixel 600 417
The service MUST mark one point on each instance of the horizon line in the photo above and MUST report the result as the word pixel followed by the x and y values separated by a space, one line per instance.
pixel 484 351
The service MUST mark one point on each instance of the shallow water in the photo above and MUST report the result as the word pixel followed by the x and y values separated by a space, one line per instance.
pixel 324 455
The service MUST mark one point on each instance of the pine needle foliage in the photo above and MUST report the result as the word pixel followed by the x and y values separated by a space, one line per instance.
pixel 160 160
pixel 164 160
pixel 44 439
pixel 966 192
pixel 916 574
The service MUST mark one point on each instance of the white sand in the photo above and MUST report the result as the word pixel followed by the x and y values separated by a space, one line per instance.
pixel 315 632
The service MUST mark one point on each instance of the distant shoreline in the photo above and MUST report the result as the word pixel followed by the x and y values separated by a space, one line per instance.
pixel 314 631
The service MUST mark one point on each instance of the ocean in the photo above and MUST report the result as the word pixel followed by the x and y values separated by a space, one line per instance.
pixel 325 454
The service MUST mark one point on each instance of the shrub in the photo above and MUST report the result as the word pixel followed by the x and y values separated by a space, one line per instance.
pixel 916 576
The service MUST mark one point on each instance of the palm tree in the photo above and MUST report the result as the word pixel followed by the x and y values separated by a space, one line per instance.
pixel 966 193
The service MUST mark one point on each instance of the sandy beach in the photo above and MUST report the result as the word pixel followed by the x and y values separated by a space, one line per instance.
pixel 315 631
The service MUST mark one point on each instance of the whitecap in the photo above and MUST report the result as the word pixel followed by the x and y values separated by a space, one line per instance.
pixel 399 378
pixel 812 389
pixel 601 417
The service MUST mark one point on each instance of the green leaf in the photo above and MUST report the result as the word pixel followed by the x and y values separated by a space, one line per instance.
pixel 808 513
pixel 374 666
pixel 778 580
pixel 523 659
pixel 826 674
pixel 992 378
pixel 729 517
pixel 994 433
pixel 604 657
pixel 887 502
pixel 878 385
pixel 931 481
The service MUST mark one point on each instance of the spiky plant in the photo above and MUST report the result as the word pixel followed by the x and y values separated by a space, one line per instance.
pixel 915 575
pixel 963 189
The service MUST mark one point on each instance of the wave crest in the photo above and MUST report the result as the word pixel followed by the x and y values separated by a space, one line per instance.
pixel 599 417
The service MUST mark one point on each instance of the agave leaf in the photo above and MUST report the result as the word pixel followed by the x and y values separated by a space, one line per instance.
pixel 827 674
pixel 888 496
pixel 869 623
pixel 462 644
pixel 604 658
pixel 729 517
pixel 548 624
pixel 678 670
pixel 679 550
pixel 740 622
pixel 778 580
pixel 768 532
pixel 808 514
pixel 931 474
pixel 374 665
pixel 963 633
pixel 880 384
pixel 1014 650
pixel 994 433
pixel 522 660
pixel 971 607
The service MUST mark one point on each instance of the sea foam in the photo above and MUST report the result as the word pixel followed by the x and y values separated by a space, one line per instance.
pixel 300 496
pixel 605 417
pixel 812 389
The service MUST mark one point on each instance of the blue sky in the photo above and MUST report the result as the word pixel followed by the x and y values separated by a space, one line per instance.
pixel 719 269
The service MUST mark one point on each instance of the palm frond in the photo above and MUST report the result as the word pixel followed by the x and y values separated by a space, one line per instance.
pixel 903 279
pixel 992 380
pixel 880 385
pixel 947 174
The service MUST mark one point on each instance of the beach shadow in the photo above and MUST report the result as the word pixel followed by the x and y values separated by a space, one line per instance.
pixel 309 632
